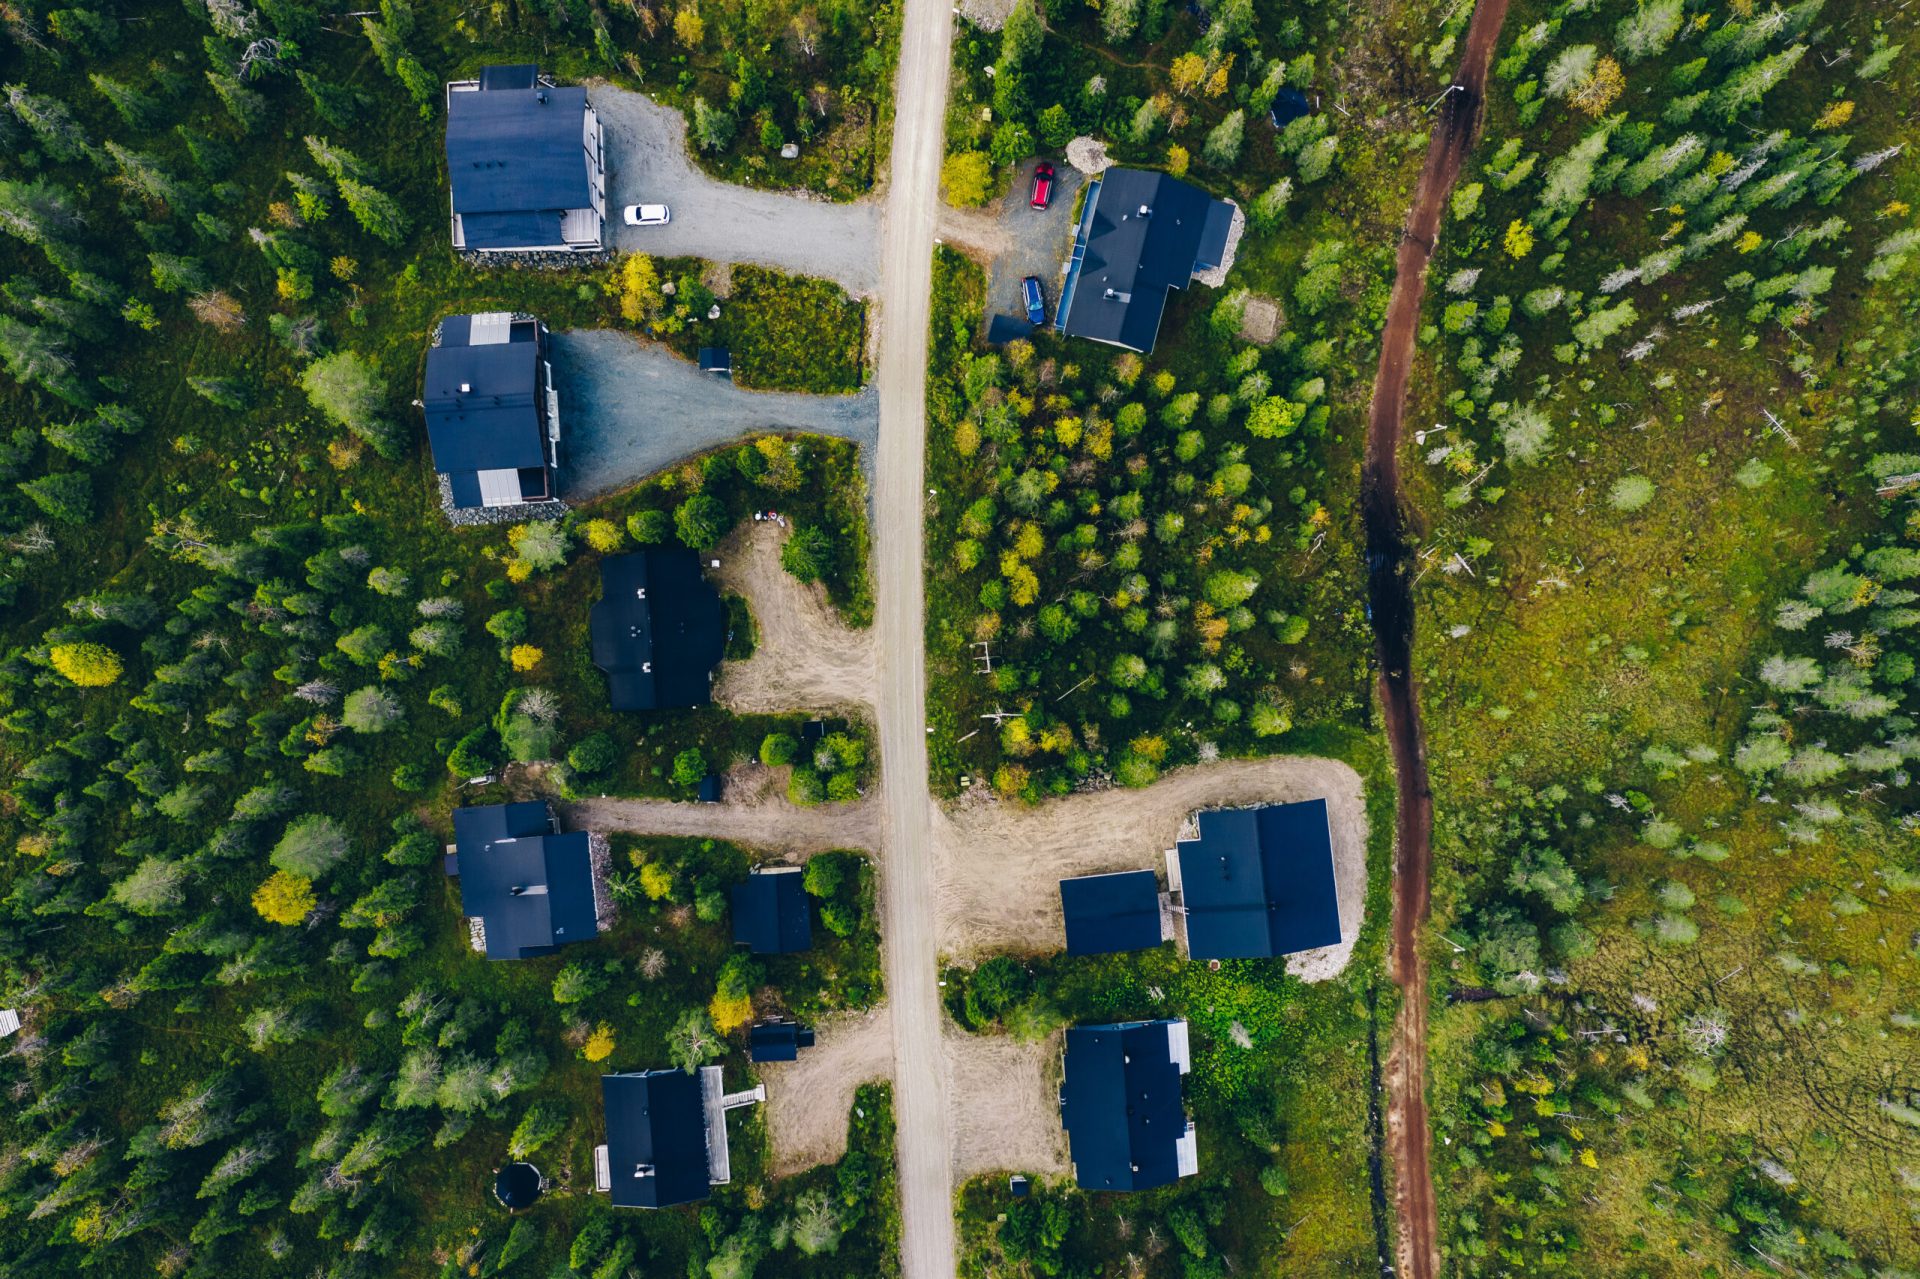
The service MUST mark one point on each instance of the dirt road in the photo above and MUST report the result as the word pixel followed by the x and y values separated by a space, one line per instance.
pixel 906 285
pixel 774 825
pixel 1390 558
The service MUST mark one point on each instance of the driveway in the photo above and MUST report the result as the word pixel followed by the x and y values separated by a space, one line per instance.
pixel 647 162
pixel 634 409
pixel 1016 241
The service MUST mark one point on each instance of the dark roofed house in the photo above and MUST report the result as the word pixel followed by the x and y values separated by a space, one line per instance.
pixel 1127 1127
pixel 1257 882
pixel 1141 234
pixel 666 1136
pixel 1107 914
pixel 658 630
pixel 771 914
pixel 527 166
pixel 493 416
pixel 525 888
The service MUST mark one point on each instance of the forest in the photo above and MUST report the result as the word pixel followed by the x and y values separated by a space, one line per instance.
pixel 247 667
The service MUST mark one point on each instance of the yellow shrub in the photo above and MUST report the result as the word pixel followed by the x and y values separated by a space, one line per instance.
pixel 599 1045
pixel 656 881
pixel 730 1011
pixel 604 535
pixel 524 657
pixel 88 665
pixel 1022 586
pixel 966 438
pixel 286 898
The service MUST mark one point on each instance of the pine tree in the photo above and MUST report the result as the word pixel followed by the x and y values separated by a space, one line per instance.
pixel 1222 149
pixel 377 212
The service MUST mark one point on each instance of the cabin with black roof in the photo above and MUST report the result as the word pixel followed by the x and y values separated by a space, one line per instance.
pixel 525 888
pixel 771 912
pixel 526 162
pixel 658 630
pixel 1256 883
pixel 666 1136
pixel 1141 233
pixel 1121 1104
pixel 1108 914
pixel 493 415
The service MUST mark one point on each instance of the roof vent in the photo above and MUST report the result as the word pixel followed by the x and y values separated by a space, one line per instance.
pixel 643 1170
pixel 1145 212
pixel 466 388
pixel 541 97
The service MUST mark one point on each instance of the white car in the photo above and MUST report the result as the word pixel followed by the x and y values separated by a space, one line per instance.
pixel 647 215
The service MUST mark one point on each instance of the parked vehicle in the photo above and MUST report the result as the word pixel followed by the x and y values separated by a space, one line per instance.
pixel 647 215
pixel 1042 185
pixel 1036 300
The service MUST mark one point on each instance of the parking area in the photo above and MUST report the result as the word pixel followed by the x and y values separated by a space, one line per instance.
pixel 633 409
pixel 1018 240
pixel 647 163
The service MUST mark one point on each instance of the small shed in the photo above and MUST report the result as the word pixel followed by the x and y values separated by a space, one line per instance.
pixel 1108 914
pixel 716 360
pixel 778 1041
pixel 9 1022
pixel 771 915
pixel 710 788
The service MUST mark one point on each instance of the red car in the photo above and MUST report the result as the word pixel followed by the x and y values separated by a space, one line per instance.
pixel 1042 185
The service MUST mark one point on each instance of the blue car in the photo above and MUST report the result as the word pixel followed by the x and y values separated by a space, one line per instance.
pixel 1036 300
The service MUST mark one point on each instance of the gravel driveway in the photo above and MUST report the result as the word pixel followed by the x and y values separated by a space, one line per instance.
pixel 632 409
pixel 647 163
pixel 1040 242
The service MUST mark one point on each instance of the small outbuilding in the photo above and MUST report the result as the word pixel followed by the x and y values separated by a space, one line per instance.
pixel 525 888
pixel 1107 914
pixel 778 1041
pixel 658 630
pixel 1255 883
pixel 666 1136
pixel 1288 105
pixel 717 361
pixel 1120 1100
pixel 493 416
pixel 771 914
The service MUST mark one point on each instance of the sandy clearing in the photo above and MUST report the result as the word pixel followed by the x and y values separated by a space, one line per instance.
pixel 1260 320
pixel 807 659
pixel 1007 1093
pixel 773 825
pixel 808 1100
pixel 998 865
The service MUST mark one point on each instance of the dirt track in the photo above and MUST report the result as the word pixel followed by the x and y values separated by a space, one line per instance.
pixel 1389 557
pixel 808 1100
pixel 998 866
pixel 774 824
pixel 806 658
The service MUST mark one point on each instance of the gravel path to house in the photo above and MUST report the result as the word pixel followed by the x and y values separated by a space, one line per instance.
pixel 767 823
pixel 998 865
pixel 1015 240
pixel 809 1100
pixel 647 163
pixel 632 409
pixel 1006 1104
pixel 806 658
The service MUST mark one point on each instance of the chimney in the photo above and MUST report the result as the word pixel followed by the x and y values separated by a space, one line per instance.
pixel 1145 212
pixel 466 388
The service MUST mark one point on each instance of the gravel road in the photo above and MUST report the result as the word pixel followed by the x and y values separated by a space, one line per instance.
pixel 920 1071
pixel 633 409
pixel 647 163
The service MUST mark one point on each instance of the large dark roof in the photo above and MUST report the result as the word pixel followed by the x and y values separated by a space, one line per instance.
pixel 1127 262
pixel 1121 1105
pixel 771 915
pixel 517 160
pixel 655 1121
pixel 1111 913
pixel 1259 882
pixel 504 847
pixel 495 424
pixel 658 630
